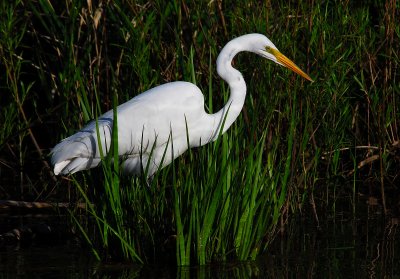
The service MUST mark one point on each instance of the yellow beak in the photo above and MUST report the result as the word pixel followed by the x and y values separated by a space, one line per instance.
pixel 288 63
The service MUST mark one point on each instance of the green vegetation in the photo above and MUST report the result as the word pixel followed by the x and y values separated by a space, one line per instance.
pixel 64 62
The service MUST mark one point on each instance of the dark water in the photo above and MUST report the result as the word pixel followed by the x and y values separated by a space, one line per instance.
pixel 341 245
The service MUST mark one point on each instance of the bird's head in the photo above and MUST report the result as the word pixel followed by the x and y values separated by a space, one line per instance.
pixel 265 48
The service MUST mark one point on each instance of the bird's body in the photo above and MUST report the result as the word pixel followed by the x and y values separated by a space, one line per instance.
pixel 160 124
pixel 163 127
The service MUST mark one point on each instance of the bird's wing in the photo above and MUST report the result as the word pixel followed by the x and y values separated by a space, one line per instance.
pixel 154 116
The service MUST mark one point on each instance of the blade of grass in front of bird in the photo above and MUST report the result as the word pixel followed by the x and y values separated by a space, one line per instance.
pixel 92 211
pixel 181 257
pixel 254 189
pixel 85 235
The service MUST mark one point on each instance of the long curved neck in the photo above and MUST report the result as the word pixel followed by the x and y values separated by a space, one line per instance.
pixel 225 117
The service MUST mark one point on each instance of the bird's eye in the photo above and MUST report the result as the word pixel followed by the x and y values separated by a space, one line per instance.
pixel 268 49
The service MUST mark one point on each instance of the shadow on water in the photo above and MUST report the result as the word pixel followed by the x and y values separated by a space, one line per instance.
pixel 342 246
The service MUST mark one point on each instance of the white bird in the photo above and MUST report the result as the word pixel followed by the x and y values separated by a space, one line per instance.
pixel 160 124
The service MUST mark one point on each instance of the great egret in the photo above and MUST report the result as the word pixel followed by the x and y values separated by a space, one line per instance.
pixel 160 124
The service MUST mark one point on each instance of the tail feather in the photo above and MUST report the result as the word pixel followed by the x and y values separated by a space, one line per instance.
pixel 75 165
pixel 78 152
pixel 59 167
pixel 81 151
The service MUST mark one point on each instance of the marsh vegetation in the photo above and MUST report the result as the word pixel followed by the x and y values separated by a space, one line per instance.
pixel 296 148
